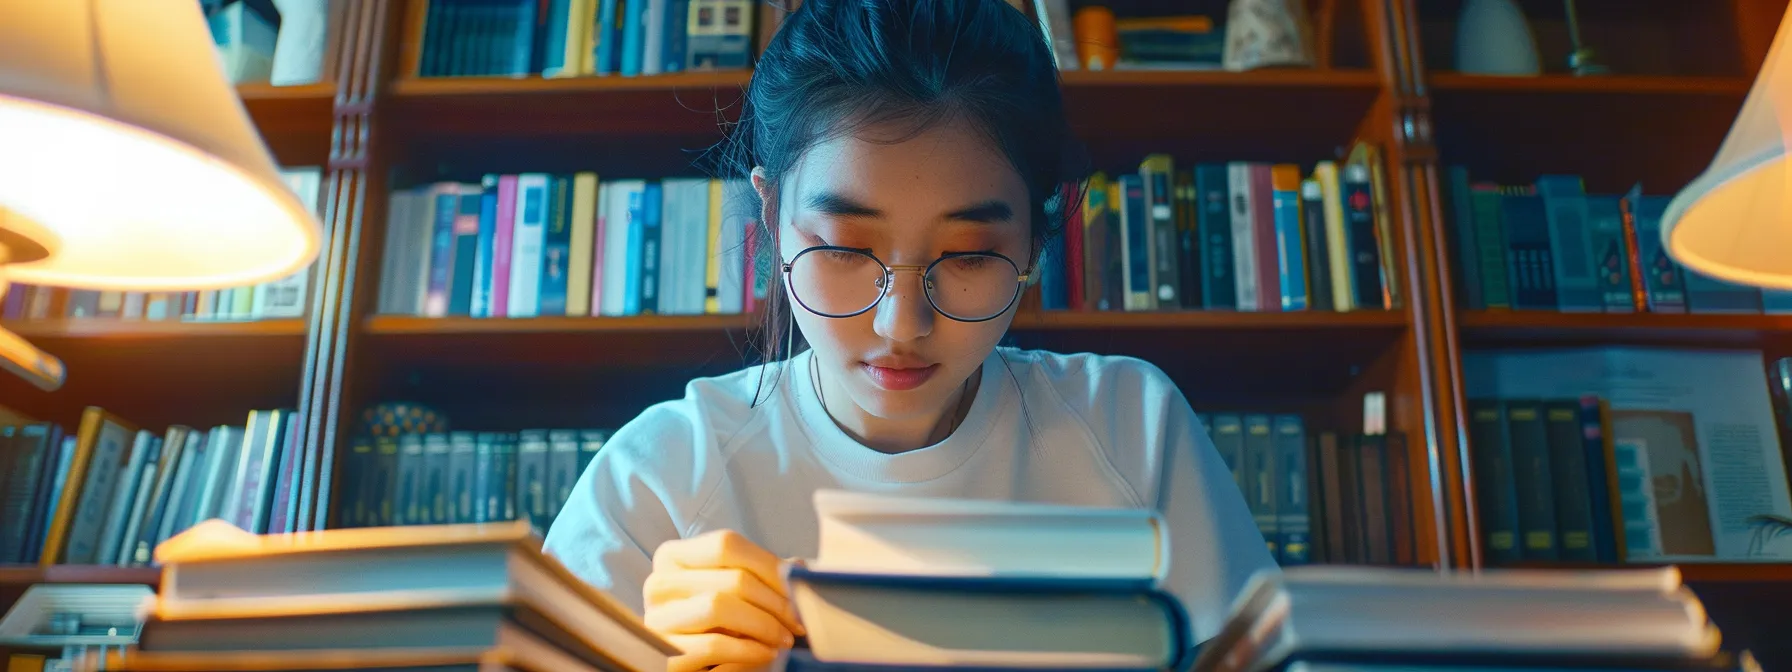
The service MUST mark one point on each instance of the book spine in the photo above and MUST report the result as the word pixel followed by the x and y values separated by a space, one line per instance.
pixel 652 231
pixel 503 246
pixel 1262 486
pixel 1570 244
pixel 1293 508
pixel 466 250
pixel 1495 491
pixel 526 245
pixel 1244 239
pixel 1610 253
pixel 1219 284
pixel 481 303
pixel 1157 173
pixel 1318 256
pixel 556 248
pixel 1568 473
pixel 1531 474
pixel 1359 226
pixel 1291 263
pixel 1529 262
pixel 1263 228
pixel 1462 237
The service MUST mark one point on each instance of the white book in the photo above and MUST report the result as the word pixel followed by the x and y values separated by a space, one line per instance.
pixel 1244 241
pixel 672 233
pixel 527 237
pixel 890 534
pixel 617 225
pixel 1418 610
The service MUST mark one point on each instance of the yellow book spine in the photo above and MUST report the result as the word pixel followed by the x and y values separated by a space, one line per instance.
pixel 1336 244
pixel 712 272
pixel 578 264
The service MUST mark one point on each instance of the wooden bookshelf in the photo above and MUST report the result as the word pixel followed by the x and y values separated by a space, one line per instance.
pixel 1328 322
pixel 93 329
pixel 27 575
pixel 1508 327
pixel 1658 121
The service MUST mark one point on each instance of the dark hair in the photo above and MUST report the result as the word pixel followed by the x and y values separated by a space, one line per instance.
pixel 838 66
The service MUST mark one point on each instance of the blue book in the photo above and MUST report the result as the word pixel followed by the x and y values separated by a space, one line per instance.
pixel 901 620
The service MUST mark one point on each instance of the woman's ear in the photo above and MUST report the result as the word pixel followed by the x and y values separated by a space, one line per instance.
pixel 768 199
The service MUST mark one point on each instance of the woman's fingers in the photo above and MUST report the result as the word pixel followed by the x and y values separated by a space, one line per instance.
pixel 720 549
pixel 710 612
pixel 666 587
pixel 704 650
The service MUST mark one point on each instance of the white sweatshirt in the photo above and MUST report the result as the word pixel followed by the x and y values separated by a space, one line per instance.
pixel 1070 429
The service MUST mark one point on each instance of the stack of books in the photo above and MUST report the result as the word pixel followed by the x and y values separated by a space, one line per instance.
pixel 1370 619
pixel 450 597
pixel 910 582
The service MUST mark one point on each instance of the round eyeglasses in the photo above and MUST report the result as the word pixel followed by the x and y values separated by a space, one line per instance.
pixel 843 282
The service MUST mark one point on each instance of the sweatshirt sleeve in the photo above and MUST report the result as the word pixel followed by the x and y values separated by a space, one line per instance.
pixel 1149 433
pixel 1215 546
pixel 637 493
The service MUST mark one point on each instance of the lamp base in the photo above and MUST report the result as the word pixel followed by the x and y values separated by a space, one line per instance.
pixel 21 357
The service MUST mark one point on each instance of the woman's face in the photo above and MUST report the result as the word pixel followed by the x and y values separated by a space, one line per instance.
pixel 909 202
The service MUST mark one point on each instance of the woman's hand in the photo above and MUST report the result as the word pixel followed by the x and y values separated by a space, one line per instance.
pixel 720 599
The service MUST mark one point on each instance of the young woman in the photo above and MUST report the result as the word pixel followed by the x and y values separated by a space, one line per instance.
pixel 906 157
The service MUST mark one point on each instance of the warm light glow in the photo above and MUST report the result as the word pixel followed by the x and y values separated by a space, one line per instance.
pixel 135 210
pixel 1735 221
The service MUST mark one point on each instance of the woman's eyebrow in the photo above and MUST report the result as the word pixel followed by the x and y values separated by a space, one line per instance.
pixel 987 212
pixel 840 205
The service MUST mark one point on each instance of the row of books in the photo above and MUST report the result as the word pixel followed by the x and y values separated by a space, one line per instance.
pixel 439 478
pixel 539 244
pixel 283 298
pixel 1243 235
pixel 1320 497
pixel 1543 479
pixel 572 38
pixel 1551 245
pixel 110 491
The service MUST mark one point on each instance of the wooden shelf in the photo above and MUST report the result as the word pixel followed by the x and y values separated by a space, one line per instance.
pixel 1607 129
pixel 409 325
pixel 1210 320
pixel 612 108
pixel 1450 83
pixel 295 120
pixel 1694 572
pixel 157 372
pixel 1262 115
pixel 1520 327
pixel 25 575
pixel 556 346
pixel 122 329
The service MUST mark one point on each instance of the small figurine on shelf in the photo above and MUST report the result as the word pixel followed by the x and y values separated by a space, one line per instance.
pixel 1268 33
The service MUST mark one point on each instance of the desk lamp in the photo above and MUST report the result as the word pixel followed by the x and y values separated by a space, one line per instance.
pixel 1735 221
pixel 127 161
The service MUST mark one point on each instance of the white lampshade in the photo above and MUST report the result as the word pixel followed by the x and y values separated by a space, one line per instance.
pixel 1735 221
pixel 126 158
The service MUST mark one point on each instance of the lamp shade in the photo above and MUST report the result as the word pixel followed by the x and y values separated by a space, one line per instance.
pixel 127 159
pixel 1735 221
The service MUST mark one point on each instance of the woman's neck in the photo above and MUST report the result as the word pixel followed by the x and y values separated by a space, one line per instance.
pixel 895 436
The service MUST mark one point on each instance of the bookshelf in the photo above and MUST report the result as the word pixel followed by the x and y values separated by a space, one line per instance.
pixel 1386 76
